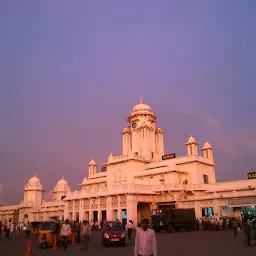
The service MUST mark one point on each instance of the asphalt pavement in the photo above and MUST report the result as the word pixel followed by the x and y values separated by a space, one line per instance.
pixel 219 243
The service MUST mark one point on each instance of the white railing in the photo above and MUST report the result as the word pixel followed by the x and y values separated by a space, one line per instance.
pixel 126 157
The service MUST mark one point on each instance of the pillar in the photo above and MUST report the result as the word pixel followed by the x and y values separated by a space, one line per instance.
pixel 216 208
pixel 90 211
pixel 198 210
pixel 66 211
pixel 132 211
pixel 119 210
pixel 109 208
pixel 81 210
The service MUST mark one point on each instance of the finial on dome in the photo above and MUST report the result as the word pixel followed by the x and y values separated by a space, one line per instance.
pixel 62 177
pixel 141 101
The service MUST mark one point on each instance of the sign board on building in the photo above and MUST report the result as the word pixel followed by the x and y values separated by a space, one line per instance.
pixel 169 156
pixel 251 175
pixel 104 168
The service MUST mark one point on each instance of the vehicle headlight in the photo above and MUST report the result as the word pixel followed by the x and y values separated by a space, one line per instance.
pixel 106 235
pixel 122 235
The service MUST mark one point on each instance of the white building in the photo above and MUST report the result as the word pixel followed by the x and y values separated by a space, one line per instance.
pixel 33 208
pixel 140 179
pixel 133 183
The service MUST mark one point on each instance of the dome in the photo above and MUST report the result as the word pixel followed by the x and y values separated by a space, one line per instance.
pixel 141 106
pixel 92 162
pixel 34 180
pixel 191 140
pixel 62 181
pixel 207 145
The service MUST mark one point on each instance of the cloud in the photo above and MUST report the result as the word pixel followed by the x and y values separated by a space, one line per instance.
pixel 213 124
pixel 241 141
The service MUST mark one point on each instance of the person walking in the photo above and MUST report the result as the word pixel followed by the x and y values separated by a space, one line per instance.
pixel 64 233
pixel 235 225
pixel 129 227
pixel 145 240
pixel 8 228
pixel 85 232
pixel 78 231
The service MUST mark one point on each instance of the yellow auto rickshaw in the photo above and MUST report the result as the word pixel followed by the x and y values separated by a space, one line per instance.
pixel 35 227
pixel 48 230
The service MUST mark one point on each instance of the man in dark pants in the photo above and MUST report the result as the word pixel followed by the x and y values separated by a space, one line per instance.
pixel 235 225
pixel 65 232
pixel 129 229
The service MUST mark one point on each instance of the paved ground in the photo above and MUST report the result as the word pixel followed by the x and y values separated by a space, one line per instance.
pixel 176 244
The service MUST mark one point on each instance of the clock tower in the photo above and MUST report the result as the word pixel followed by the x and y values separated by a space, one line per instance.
pixel 142 137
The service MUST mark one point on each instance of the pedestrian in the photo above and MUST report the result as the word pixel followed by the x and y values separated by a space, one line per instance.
pixel 129 227
pixel 28 230
pixel 7 230
pixel 85 232
pixel 65 232
pixel 145 241
pixel 78 231
pixel 12 230
pixel 235 225
pixel 1 226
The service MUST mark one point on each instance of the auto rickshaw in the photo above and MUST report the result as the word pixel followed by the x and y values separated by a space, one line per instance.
pixel 47 232
pixel 35 227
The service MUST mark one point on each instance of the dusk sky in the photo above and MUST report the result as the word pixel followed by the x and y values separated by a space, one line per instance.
pixel 71 71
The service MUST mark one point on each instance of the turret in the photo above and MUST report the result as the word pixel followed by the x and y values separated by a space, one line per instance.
pixel 92 167
pixel 61 189
pixel 33 192
pixel 207 151
pixel 192 146
pixel 126 135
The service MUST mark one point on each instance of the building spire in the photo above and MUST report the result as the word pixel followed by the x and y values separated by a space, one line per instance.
pixel 141 101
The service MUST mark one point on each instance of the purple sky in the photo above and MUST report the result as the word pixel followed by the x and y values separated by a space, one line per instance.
pixel 71 71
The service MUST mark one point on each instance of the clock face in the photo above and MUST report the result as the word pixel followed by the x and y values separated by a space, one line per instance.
pixel 134 125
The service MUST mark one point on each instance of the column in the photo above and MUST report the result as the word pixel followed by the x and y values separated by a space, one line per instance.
pixel 90 212
pixel 81 210
pixel 99 211
pixel 119 210
pixel 216 208
pixel 132 210
pixel 66 210
pixel 198 210
pixel 109 208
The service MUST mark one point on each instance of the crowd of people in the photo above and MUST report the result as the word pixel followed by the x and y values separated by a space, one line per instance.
pixel 10 229
pixel 247 225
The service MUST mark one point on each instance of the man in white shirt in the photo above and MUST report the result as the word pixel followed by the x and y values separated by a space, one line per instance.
pixel 65 232
pixel 145 241
pixel 129 229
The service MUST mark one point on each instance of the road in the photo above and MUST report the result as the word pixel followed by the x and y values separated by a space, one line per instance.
pixel 221 243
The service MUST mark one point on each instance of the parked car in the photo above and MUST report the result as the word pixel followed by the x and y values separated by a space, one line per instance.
pixel 113 233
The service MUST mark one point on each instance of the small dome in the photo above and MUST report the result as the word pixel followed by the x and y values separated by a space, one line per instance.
pixel 62 181
pixel 92 162
pixel 159 130
pixel 126 130
pixel 207 145
pixel 191 140
pixel 34 180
